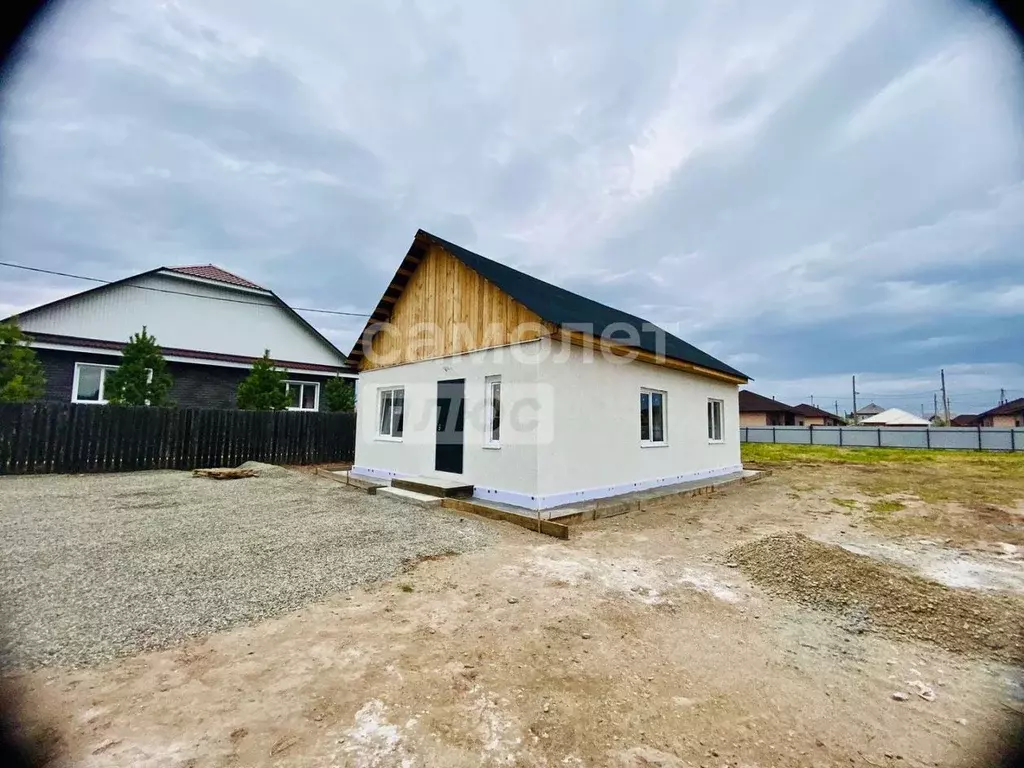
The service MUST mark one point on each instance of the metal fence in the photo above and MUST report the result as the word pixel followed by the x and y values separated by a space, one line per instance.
pixel 949 438
pixel 67 437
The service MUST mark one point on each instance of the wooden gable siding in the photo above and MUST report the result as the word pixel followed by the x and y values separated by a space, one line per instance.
pixel 448 309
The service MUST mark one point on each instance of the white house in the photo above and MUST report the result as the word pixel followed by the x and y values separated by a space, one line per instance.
pixel 537 397
pixel 210 324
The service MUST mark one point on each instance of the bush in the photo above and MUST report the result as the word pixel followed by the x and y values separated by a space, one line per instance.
pixel 263 389
pixel 141 378
pixel 340 395
pixel 21 375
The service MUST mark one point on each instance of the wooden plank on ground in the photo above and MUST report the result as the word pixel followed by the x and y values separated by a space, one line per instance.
pixel 546 527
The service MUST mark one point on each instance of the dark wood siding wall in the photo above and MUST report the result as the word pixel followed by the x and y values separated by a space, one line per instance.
pixel 195 386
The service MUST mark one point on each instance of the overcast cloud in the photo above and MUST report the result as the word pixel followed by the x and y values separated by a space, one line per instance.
pixel 805 189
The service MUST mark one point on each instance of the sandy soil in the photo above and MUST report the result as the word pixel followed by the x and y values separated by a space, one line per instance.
pixel 632 644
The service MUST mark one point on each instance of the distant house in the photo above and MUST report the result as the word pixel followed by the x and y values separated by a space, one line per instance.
pixel 895 417
pixel 868 410
pixel 210 324
pixel 1009 414
pixel 965 420
pixel 811 416
pixel 760 411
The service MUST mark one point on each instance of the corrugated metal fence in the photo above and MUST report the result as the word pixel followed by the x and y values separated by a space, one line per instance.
pixel 68 437
pixel 951 438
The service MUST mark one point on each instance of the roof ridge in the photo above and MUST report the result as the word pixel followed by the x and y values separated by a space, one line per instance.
pixel 215 273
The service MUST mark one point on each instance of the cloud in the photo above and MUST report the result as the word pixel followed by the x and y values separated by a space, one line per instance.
pixel 808 189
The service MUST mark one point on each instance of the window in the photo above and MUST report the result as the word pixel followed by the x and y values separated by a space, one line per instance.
pixel 392 413
pixel 89 383
pixel 303 395
pixel 715 412
pixel 492 439
pixel 652 417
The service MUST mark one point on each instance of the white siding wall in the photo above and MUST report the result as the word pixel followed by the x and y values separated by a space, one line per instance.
pixel 513 467
pixel 184 322
pixel 595 436
pixel 575 435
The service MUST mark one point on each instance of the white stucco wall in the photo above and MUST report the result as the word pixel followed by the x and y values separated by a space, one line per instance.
pixel 512 467
pixel 570 425
pixel 595 447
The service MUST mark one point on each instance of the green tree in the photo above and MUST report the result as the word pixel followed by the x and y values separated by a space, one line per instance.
pixel 263 389
pixel 141 378
pixel 21 375
pixel 340 395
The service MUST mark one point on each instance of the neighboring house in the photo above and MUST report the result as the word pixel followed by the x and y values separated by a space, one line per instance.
pixel 1009 414
pixel 964 420
pixel 811 416
pixel 894 417
pixel 868 410
pixel 760 411
pixel 536 396
pixel 209 323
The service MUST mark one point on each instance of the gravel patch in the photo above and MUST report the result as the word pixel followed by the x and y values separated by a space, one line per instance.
pixel 99 566
pixel 873 595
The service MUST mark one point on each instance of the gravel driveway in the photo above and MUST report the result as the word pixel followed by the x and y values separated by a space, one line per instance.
pixel 98 566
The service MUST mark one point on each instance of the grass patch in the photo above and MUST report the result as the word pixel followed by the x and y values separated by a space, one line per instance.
pixel 848 503
pixel 769 453
pixel 406 587
pixel 885 506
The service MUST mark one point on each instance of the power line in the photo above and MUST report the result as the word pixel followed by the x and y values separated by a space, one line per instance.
pixel 178 293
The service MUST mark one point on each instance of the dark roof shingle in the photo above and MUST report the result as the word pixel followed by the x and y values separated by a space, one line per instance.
pixel 574 312
pixel 211 272
pixel 1006 409
pixel 810 410
pixel 751 402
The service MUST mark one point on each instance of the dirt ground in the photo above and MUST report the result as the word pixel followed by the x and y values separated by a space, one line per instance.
pixel 638 642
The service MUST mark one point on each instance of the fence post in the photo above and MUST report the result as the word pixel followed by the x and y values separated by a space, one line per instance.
pixel 812 434
pixel 1013 439
pixel 928 436
pixel 840 437
pixel 773 434
pixel 979 437
pixel 879 437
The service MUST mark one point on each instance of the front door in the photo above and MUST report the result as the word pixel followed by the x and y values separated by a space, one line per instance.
pixel 450 422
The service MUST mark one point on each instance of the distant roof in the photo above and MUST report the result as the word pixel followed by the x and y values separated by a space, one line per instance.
pixel 896 417
pixel 751 402
pixel 1006 409
pixel 965 420
pixel 870 410
pixel 211 272
pixel 809 410
pixel 552 304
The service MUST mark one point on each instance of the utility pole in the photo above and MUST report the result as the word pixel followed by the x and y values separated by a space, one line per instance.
pixel 945 398
pixel 935 406
pixel 812 400
pixel 1002 397
pixel 837 407
pixel 855 401
pixel 922 410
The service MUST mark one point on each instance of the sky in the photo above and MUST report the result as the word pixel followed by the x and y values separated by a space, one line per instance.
pixel 807 190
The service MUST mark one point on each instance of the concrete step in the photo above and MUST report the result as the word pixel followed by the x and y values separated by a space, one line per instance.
pixel 410 497
pixel 434 486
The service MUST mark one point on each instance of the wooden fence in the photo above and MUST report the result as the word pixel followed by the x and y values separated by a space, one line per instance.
pixel 68 437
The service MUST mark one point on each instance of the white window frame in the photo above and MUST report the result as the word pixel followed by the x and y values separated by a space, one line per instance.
pixel 650 442
pixel 103 382
pixel 713 401
pixel 389 436
pixel 316 394
pixel 489 385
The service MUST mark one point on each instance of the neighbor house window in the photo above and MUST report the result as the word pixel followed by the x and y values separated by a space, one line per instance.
pixel 492 439
pixel 90 383
pixel 303 395
pixel 392 412
pixel 652 416
pixel 715 411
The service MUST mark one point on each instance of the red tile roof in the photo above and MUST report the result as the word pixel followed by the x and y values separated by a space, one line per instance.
pixel 210 272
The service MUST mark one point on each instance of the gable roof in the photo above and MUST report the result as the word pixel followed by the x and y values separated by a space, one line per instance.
pixel 965 420
pixel 897 417
pixel 228 278
pixel 215 273
pixel 809 410
pixel 549 302
pixel 1011 408
pixel 871 409
pixel 751 402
